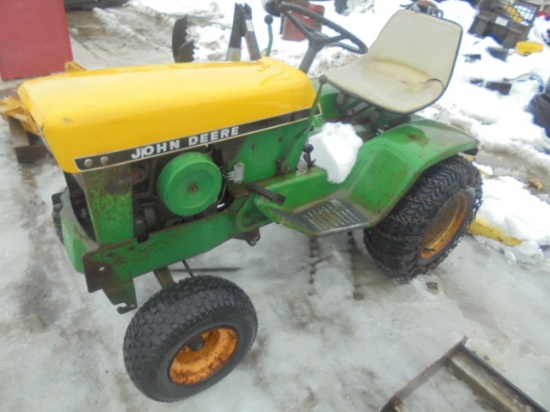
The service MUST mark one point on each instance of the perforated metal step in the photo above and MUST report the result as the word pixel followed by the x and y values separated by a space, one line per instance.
pixel 323 219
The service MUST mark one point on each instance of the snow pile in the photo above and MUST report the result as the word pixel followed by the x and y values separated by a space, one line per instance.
pixel 358 6
pixel 510 206
pixel 205 9
pixel 335 150
pixel 111 21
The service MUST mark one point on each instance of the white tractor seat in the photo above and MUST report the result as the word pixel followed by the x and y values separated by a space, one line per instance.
pixel 407 68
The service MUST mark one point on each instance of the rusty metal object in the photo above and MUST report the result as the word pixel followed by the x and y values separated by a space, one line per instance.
pixel 164 276
pixel 204 356
pixel 445 228
pixel 8 93
pixel 13 108
pixel 490 387
pixel 72 67
pixel 25 134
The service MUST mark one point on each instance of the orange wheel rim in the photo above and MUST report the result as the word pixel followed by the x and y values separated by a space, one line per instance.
pixel 204 356
pixel 446 226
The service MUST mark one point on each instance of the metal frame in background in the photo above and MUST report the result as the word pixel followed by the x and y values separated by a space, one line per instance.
pixel 491 387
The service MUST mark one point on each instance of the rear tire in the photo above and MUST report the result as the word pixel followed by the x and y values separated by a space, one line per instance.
pixel 428 223
pixel 188 337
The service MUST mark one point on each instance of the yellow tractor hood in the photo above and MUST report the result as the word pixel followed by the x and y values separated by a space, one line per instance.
pixel 101 118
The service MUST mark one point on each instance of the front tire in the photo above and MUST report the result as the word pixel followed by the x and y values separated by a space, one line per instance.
pixel 428 223
pixel 188 337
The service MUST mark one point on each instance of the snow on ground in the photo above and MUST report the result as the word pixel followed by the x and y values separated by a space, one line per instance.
pixel 335 333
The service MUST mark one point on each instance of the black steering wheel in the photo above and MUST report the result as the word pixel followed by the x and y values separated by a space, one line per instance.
pixel 318 40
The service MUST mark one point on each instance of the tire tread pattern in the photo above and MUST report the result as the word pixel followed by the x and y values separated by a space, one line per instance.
pixel 396 243
pixel 164 318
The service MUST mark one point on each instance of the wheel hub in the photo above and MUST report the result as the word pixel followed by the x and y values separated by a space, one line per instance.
pixel 204 356
pixel 197 344
pixel 447 224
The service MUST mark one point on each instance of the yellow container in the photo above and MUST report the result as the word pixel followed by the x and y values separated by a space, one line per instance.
pixel 527 47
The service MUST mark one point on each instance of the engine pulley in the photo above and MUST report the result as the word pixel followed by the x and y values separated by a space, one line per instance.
pixel 189 184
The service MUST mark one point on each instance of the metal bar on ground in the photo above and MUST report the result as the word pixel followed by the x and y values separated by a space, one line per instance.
pixel 485 381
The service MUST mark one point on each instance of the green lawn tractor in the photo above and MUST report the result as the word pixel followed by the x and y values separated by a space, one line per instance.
pixel 166 162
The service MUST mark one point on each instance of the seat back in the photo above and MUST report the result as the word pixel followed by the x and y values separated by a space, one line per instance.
pixel 417 40
pixel 407 68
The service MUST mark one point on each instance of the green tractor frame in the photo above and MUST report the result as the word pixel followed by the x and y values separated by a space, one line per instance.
pixel 166 162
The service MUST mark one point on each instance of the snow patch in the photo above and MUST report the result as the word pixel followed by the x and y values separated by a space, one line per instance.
pixel 180 8
pixel 335 150
pixel 111 20
pixel 510 206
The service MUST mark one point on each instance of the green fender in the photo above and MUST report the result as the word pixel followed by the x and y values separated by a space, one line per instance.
pixel 386 168
pixel 388 165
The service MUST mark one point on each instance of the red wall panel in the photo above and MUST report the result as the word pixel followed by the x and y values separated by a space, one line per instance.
pixel 34 38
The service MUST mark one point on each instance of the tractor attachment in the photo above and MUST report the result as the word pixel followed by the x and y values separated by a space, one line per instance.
pixel 461 366
pixel 25 133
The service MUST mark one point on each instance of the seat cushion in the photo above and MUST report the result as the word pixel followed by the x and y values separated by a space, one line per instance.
pixel 407 68
pixel 390 85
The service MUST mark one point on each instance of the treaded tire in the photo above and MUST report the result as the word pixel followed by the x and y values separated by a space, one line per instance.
pixel 428 223
pixel 169 324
